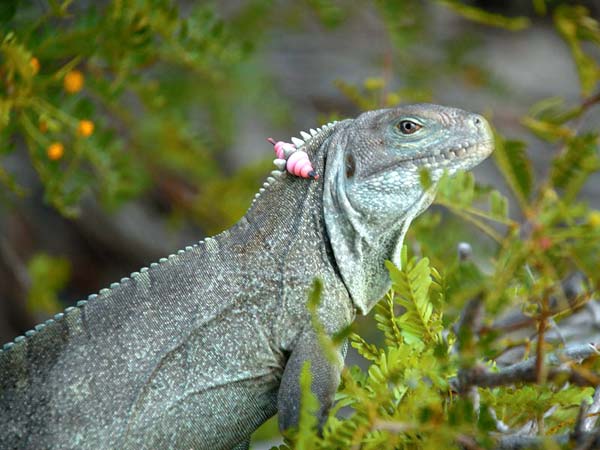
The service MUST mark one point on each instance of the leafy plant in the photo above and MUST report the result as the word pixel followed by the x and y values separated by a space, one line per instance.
pixel 92 104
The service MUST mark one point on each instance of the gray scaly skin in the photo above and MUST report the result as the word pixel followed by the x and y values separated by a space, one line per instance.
pixel 198 350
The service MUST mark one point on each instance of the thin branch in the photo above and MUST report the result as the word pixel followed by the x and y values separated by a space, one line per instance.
pixel 393 427
pixel 518 442
pixel 587 441
pixel 540 368
pixel 525 371
pixel 467 442
pixel 589 422
pixel 590 101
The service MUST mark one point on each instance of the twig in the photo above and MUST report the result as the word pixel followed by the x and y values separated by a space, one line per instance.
pixel 589 422
pixel 518 442
pixel 554 326
pixel 540 369
pixel 590 101
pixel 526 371
pixel 393 427
pixel 467 442
pixel 578 429
pixel 500 425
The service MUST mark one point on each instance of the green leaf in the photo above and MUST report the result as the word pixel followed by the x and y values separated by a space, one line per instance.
pixel 411 285
pixel 366 350
pixel 498 205
pixel 512 160
pixel 571 168
pixel 576 25
pixel 425 178
pixel 486 421
pixel 458 190
pixel 386 320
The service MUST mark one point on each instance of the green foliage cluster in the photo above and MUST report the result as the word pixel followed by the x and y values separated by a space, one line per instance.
pixel 128 69
pixel 405 399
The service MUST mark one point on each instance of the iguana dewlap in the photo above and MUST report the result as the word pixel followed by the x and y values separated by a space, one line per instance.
pixel 199 349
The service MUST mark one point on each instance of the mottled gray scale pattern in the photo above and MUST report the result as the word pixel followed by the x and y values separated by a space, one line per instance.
pixel 199 350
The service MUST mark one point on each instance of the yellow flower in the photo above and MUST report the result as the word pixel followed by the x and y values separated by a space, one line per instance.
pixel 85 128
pixel 55 151
pixel 594 219
pixel 73 81
pixel 34 63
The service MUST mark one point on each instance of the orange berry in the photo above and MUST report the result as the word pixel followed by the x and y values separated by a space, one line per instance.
pixel 85 128
pixel 73 81
pixel 34 63
pixel 55 151
pixel 43 126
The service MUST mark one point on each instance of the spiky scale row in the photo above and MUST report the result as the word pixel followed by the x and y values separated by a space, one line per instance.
pixel 300 164
pixel 294 160
pixel 284 150
pixel 297 142
pixel 280 163
pixel 81 303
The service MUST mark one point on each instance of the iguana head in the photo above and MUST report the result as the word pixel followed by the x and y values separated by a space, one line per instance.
pixel 373 188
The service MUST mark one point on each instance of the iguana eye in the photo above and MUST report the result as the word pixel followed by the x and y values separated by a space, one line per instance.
pixel 408 127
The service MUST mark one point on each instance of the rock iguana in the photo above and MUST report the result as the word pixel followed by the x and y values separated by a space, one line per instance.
pixel 199 349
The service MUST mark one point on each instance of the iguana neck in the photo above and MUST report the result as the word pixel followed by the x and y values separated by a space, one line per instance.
pixel 360 245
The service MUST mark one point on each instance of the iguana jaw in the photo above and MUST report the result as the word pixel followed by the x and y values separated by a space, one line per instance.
pixel 465 157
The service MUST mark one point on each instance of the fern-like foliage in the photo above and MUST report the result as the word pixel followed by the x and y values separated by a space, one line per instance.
pixel 412 286
pixel 404 400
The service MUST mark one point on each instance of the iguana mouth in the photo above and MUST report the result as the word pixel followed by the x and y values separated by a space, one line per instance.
pixel 477 152
pixel 468 149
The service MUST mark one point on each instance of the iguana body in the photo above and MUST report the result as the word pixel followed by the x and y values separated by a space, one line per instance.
pixel 201 348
